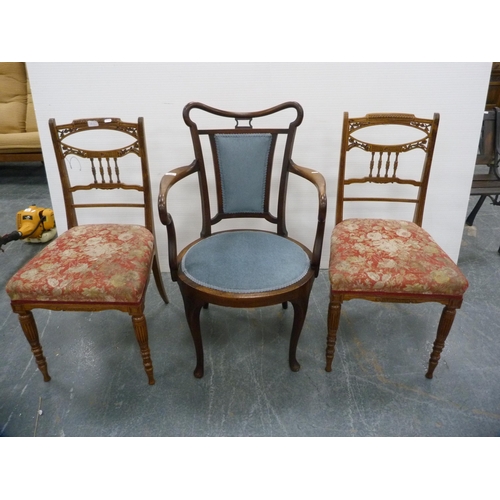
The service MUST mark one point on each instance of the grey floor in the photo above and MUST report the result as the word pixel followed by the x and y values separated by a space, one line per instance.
pixel 377 386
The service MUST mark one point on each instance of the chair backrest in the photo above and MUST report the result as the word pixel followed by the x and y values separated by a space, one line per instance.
pixel 242 159
pixel 380 151
pixel 97 155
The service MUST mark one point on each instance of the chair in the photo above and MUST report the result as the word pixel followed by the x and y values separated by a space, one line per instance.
pixel 243 267
pixel 95 267
pixel 487 184
pixel 380 259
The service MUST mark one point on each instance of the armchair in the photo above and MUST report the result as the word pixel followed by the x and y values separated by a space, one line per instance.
pixel 243 267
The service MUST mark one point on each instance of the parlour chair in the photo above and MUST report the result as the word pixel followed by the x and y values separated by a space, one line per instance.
pixel 95 267
pixel 241 267
pixel 385 161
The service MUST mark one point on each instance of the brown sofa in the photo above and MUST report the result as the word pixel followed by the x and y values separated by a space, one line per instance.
pixel 19 138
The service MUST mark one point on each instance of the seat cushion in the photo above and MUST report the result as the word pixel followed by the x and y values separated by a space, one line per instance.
pixel 391 256
pixel 89 263
pixel 19 142
pixel 13 97
pixel 245 262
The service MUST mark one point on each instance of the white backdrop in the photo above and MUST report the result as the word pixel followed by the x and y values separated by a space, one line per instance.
pixel 159 91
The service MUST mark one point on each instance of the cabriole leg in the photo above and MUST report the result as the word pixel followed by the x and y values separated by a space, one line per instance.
pixel 299 316
pixel 192 307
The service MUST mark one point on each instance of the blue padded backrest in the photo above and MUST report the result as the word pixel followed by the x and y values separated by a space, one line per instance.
pixel 243 161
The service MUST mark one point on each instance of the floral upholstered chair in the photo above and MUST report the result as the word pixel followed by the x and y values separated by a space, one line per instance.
pixel 244 266
pixel 380 259
pixel 95 267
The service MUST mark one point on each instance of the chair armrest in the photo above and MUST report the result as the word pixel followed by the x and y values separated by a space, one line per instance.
pixel 318 180
pixel 167 181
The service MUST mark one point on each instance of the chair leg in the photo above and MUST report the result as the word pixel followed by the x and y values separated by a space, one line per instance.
pixel 141 333
pixel 31 332
pixel 470 219
pixel 447 317
pixel 299 316
pixel 158 279
pixel 333 325
pixel 192 308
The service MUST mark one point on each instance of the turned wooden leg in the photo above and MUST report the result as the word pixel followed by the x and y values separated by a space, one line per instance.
pixel 158 279
pixel 31 332
pixel 141 333
pixel 447 317
pixel 333 325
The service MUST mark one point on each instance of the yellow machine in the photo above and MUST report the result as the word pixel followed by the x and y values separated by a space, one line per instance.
pixel 34 224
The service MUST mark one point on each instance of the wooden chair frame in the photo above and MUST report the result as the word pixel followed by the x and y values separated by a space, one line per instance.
pixel 196 296
pixel 105 178
pixel 380 173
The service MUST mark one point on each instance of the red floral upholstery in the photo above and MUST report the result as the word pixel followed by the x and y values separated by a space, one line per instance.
pixel 391 256
pixel 88 263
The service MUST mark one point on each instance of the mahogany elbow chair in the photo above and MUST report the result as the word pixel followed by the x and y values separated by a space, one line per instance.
pixel 95 267
pixel 243 268
pixel 388 260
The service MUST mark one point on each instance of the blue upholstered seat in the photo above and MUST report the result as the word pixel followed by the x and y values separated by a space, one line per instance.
pixel 245 262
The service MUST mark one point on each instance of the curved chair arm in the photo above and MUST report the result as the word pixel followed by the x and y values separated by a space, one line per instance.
pixel 167 181
pixel 318 180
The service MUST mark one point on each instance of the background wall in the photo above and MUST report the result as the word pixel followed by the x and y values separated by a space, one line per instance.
pixel 159 91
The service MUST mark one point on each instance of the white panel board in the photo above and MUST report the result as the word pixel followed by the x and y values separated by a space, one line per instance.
pixel 159 91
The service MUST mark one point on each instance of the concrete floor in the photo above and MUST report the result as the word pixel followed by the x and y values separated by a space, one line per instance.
pixel 377 386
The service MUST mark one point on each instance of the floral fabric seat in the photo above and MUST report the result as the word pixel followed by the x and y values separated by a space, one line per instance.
pixel 391 256
pixel 88 263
